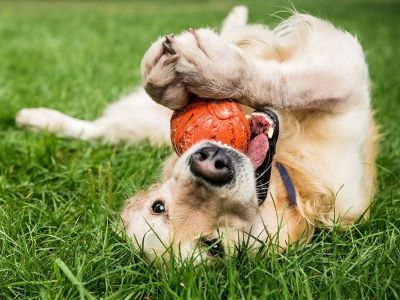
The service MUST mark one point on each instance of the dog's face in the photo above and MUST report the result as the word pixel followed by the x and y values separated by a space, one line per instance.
pixel 207 203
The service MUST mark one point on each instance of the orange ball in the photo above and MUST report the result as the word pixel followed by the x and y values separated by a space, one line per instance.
pixel 218 120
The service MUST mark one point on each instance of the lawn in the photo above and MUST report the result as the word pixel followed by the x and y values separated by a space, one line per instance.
pixel 60 198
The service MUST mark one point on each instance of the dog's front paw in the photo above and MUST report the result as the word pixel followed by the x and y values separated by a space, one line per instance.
pixel 159 77
pixel 195 62
pixel 208 66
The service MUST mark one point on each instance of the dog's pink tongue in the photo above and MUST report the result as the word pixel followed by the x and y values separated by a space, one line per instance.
pixel 258 149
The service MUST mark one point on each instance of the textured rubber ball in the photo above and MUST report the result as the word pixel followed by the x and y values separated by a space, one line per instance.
pixel 218 120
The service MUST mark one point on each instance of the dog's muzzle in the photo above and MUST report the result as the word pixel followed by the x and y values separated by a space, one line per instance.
pixel 215 164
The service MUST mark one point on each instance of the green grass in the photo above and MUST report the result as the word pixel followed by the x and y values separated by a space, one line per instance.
pixel 59 198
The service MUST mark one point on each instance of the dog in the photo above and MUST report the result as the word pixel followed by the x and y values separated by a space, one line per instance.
pixel 306 75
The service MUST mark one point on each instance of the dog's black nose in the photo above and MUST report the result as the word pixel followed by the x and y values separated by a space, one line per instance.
pixel 212 164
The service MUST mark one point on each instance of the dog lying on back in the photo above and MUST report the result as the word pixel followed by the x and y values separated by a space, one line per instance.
pixel 312 75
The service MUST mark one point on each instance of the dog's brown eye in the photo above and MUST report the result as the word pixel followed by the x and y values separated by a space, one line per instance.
pixel 158 207
pixel 214 247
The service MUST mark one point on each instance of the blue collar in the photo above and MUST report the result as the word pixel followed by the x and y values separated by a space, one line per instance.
pixel 287 181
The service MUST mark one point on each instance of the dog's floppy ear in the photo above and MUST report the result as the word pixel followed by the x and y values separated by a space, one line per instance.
pixel 168 167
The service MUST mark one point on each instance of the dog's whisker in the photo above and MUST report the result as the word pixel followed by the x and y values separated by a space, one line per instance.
pixel 265 171
pixel 263 185
pixel 259 189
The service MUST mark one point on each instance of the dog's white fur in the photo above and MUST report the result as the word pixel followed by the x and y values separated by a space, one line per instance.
pixel 313 74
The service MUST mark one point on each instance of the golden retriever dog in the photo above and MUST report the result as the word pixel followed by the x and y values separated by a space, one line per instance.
pixel 308 83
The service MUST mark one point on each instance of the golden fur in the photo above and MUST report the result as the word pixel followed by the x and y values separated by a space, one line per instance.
pixel 316 79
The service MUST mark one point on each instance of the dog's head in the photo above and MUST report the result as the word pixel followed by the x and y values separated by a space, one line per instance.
pixel 208 202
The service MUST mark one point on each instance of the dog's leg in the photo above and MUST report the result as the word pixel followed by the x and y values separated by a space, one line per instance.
pixel 58 123
pixel 321 67
pixel 132 118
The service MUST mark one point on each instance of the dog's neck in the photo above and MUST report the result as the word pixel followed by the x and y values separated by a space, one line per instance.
pixel 279 219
